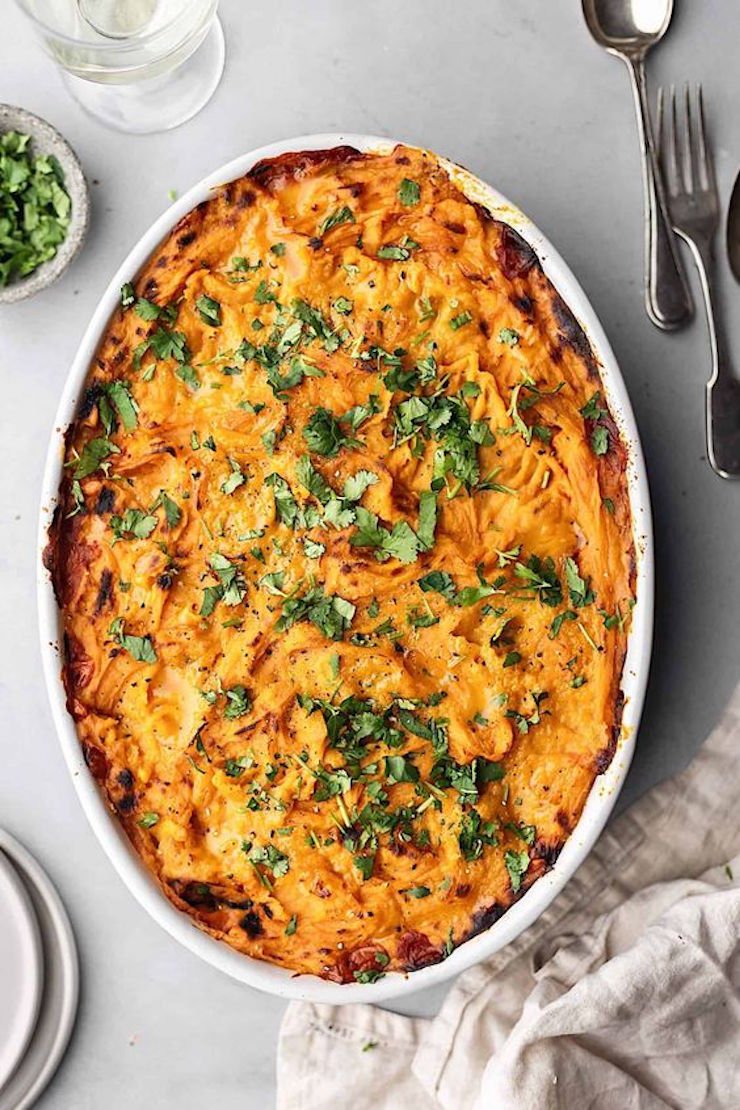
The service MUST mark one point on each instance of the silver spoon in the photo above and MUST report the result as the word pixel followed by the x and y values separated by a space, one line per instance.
pixel 628 29
pixel 733 230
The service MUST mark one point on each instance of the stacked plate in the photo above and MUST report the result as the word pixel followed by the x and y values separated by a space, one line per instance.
pixel 39 977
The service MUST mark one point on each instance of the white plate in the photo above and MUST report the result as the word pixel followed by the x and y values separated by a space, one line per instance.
pixel 606 787
pixel 21 969
pixel 61 983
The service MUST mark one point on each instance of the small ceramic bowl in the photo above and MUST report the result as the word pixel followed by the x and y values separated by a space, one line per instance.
pixel 46 139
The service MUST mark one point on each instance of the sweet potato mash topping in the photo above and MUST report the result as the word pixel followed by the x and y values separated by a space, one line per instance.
pixel 345 562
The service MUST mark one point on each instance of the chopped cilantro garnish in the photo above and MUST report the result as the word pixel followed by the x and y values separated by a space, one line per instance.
pixel 209 310
pixel 238 700
pixel 594 411
pixel 139 648
pixel 93 457
pixel 509 337
pixel 579 589
pixel 324 435
pixel 399 768
pixel 231 589
pixel 559 621
pixel 331 614
pixel 475 834
pixel 120 395
pixel 600 440
pixel 427 519
pixel 34 207
pixel 134 524
pixel 339 216
pixel 268 857
pixel 364 865
pixel 400 542
pixel 235 479
pixel 438 581
pixel 461 320
pixel 188 375
pixel 409 192
pixel 541 575
pixel 517 864
pixel 398 252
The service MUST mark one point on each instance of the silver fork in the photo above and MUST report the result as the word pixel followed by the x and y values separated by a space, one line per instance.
pixel 693 203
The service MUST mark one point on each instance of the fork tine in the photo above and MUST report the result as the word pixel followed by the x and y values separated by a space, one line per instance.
pixel 670 157
pixel 706 162
pixel 659 140
pixel 691 177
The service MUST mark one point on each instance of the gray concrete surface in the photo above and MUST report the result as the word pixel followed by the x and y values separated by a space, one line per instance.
pixel 519 93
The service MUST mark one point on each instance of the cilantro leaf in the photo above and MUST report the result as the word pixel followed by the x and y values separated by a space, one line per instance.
pixel 517 864
pixel 324 435
pixel 93 456
pixel 398 252
pixel 427 519
pixel 400 769
pixel 475 834
pixel 541 575
pixel 438 581
pixel 147 310
pixel 315 483
pixel 509 336
pixel 188 375
pixel 357 483
pixel 234 480
pixel 209 310
pixel 172 511
pixel 286 506
pixel 343 215
pixel 34 207
pixel 559 621
pixel 580 591
pixel 600 440
pixel 409 192
pixel 123 402
pixel 239 702
pixel 269 857
pixel 139 648
pixel 134 524
pixel 331 614
pixel 400 542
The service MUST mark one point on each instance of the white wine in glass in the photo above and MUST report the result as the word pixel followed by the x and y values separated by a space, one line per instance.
pixel 138 65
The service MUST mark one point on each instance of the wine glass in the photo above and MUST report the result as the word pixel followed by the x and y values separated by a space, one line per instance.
pixel 137 65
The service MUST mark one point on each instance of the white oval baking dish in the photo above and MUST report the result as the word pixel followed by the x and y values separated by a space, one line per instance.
pixel 606 787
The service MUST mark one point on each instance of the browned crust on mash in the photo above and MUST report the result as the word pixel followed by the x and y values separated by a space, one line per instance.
pixel 345 560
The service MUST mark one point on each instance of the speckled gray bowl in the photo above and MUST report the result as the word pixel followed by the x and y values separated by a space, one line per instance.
pixel 47 140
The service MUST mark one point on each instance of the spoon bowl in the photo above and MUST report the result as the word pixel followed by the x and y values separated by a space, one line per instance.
pixel 628 26
pixel 733 230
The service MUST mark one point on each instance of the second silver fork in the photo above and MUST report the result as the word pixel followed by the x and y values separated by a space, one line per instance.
pixel 693 203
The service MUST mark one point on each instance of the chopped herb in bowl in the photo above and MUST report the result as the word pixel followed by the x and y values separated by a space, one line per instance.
pixel 44 204
pixel 35 208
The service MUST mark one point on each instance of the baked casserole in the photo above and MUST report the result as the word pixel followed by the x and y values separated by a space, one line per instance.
pixel 344 557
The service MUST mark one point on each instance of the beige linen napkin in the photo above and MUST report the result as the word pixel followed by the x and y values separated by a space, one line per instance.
pixel 624 994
